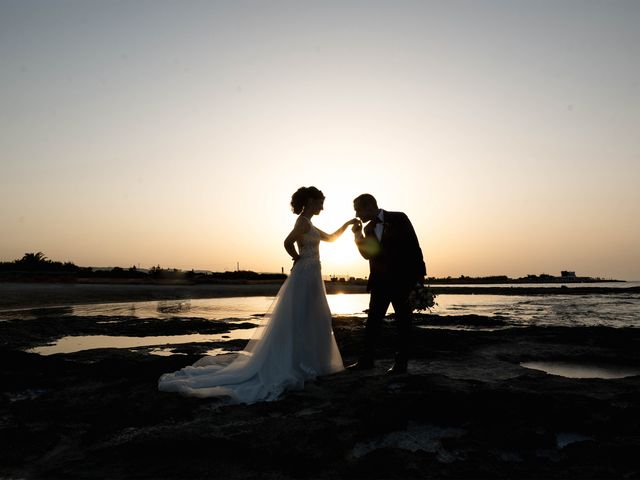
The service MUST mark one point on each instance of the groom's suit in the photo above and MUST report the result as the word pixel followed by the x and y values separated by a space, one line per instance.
pixel 396 265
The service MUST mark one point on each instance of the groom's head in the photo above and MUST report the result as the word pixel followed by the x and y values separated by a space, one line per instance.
pixel 366 207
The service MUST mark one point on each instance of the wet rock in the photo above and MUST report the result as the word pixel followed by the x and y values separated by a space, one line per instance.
pixel 466 409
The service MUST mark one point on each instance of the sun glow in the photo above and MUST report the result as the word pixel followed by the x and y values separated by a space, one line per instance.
pixel 347 304
pixel 341 257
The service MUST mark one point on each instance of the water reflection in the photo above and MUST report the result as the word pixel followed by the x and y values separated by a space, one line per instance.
pixel 88 342
pixel 612 310
pixel 174 306
pixel 46 312
pixel 567 438
pixel 164 352
pixel 575 370
pixel 210 308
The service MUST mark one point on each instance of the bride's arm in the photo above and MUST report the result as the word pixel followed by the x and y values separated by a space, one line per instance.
pixel 299 229
pixel 332 237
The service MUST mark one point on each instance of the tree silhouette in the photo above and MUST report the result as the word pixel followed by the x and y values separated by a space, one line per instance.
pixel 37 258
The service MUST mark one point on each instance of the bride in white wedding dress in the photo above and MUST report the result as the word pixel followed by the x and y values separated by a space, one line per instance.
pixel 294 342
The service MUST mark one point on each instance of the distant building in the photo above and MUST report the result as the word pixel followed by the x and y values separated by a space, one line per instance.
pixel 567 274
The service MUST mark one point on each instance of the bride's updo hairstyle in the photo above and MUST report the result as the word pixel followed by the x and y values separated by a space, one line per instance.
pixel 302 196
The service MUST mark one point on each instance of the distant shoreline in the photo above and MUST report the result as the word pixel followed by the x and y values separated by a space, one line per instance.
pixel 37 295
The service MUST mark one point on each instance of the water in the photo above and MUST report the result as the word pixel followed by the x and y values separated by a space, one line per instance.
pixel 546 285
pixel 233 308
pixel 577 370
pixel 78 343
pixel 611 310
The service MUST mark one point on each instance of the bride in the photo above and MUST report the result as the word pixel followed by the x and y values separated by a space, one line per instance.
pixel 294 342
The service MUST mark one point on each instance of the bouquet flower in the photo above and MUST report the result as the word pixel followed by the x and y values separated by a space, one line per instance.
pixel 421 298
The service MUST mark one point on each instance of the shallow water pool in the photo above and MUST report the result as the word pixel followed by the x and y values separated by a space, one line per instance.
pixel 577 370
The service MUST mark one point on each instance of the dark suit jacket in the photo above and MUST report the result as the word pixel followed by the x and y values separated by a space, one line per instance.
pixel 396 260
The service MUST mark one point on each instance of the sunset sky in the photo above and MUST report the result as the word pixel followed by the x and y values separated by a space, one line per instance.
pixel 174 133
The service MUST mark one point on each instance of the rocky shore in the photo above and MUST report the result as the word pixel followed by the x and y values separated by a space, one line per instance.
pixel 467 408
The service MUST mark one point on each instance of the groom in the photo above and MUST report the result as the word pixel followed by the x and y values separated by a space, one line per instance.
pixel 396 265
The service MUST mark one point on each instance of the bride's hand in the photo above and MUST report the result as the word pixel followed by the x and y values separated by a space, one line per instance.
pixel 357 225
pixel 353 221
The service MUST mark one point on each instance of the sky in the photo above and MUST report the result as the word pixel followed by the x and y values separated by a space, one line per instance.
pixel 174 133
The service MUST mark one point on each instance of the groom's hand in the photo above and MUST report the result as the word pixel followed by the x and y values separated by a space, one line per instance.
pixel 357 231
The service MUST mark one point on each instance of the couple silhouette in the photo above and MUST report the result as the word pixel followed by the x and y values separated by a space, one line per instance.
pixel 294 342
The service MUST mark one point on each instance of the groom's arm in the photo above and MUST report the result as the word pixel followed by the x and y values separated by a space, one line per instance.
pixel 367 246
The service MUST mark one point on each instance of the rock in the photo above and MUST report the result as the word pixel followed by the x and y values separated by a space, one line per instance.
pixel 466 409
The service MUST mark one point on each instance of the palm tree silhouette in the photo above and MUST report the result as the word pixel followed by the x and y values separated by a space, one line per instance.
pixel 37 258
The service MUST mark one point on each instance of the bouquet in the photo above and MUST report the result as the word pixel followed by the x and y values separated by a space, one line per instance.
pixel 421 298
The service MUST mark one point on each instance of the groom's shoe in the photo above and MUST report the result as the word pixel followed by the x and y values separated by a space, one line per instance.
pixel 361 364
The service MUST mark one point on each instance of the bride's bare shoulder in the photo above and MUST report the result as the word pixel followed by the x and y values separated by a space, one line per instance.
pixel 303 224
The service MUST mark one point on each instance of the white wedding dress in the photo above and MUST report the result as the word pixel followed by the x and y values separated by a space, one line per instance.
pixel 293 344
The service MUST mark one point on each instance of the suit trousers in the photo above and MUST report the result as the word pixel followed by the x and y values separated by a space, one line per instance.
pixel 381 297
